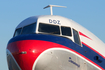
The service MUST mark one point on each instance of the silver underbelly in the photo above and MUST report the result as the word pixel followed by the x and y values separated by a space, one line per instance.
pixel 62 59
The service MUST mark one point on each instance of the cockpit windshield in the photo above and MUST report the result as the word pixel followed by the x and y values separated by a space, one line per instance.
pixel 51 29
pixel 29 29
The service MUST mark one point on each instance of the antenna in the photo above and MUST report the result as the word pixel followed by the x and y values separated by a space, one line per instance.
pixel 53 6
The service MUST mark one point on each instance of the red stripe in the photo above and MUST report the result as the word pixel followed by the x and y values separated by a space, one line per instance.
pixel 39 46
pixel 84 35
pixel 93 50
pixel 86 58
pixel 89 46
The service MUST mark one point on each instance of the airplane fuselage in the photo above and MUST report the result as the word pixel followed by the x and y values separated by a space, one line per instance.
pixel 54 43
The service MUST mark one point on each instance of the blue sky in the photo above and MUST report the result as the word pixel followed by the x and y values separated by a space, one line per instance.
pixel 88 13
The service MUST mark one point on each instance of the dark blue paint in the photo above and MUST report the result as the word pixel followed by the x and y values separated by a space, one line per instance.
pixel 70 60
pixel 85 51
pixel 54 21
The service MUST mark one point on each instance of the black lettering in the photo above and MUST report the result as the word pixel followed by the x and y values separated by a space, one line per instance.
pixel 58 22
pixel 69 57
pixel 54 21
pixel 73 62
pixel 50 21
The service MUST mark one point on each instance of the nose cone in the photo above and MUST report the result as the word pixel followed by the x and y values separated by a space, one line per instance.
pixel 25 49
pixel 22 54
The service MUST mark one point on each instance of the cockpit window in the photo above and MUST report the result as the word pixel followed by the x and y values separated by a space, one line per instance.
pixel 76 37
pixel 29 29
pixel 66 31
pixel 51 29
pixel 18 32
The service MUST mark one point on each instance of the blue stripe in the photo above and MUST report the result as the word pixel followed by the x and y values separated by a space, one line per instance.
pixel 85 51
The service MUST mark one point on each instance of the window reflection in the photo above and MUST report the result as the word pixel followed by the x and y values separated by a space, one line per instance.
pixel 76 37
